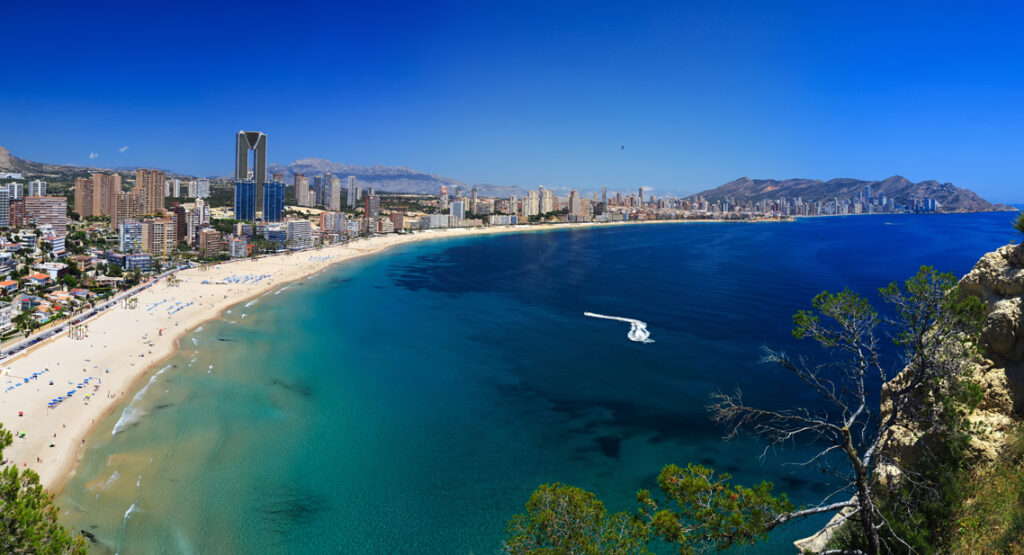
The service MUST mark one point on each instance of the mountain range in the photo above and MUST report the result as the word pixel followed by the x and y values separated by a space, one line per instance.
pixel 949 197
pixel 393 179
pixel 399 179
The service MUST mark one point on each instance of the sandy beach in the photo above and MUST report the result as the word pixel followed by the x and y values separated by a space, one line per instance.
pixel 125 344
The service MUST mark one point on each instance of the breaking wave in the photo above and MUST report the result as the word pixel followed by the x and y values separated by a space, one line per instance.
pixel 132 414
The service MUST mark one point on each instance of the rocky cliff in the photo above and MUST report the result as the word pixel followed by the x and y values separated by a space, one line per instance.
pixel 998 279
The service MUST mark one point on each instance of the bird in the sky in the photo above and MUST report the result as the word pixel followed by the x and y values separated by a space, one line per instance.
pixel 623 147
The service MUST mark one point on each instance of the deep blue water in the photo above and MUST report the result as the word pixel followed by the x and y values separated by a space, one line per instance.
pixel 409 403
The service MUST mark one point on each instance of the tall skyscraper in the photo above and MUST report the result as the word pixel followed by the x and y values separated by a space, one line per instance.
pixel 97 196
pixel 867 193
pixel 443 200
pixel 273 201
pixel 5 207
pixel 150 183
pixel 301 190
pixel 255 142
pixel 472 201
pixel 604 196
pixel 316 196
pixel 547 200
pixel 335 203
pixel 350 193
pixel 574 202
pixel 458 210
pixel 203 188
pixel 372 206
pixel 245 200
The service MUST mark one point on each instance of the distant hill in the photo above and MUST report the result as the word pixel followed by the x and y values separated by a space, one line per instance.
pixel 392 179
pixel 950 197
pixel 11 163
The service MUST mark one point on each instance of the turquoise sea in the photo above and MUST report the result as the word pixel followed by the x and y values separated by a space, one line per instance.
pixel 410 402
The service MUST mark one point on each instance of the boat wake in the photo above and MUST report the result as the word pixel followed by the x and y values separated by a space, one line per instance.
pixel 637 330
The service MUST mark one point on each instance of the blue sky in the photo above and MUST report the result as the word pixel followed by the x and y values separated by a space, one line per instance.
pixel 527 93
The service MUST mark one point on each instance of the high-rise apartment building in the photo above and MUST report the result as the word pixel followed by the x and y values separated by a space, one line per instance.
pixel 202 188
pixel 574 202
pixel 181 222
pixel 5 207
pixel 531 204
pixel 245 200
pixel 211 243
pixel 316 194
pixel 458 210
pixel 150 185
pixel 472 201
pixel 547 200
pixel 335 203
pixel 301 190
pixel 273 201
pixel 350 193
pixel 299 234
pixel 130 206
pixel 97 196
pixel 371 206
pixel 36 188
pixel 129 235
pixel 159 236
pixel 48 211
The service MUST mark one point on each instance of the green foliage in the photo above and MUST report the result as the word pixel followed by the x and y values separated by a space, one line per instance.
pixel 225 225
pixel 564 520
pixel 843 310
pixel 1019 223
pixel 702 511
pixel 706 512
pixel 28 517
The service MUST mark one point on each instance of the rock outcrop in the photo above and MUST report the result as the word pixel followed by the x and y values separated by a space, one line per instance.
pixel 998 279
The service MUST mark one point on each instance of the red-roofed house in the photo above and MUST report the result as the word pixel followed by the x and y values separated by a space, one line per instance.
pixel 9 287
pixel 37 279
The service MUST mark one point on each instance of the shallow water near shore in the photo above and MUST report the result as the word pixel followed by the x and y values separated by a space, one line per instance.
pixel 410 402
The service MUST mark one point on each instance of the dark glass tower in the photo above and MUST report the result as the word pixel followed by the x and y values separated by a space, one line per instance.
pixel 245 200
pixel 273 201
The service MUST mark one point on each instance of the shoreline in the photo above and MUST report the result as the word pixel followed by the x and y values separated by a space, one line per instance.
pixel 206 296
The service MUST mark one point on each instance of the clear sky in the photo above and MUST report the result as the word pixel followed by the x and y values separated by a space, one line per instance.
pixel 527 93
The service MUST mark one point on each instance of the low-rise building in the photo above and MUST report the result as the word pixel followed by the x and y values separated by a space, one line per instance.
pixel 8 287
pixel 37 279
pixel 57 245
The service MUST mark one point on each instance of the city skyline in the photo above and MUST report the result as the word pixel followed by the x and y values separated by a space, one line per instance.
pixel 677 98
